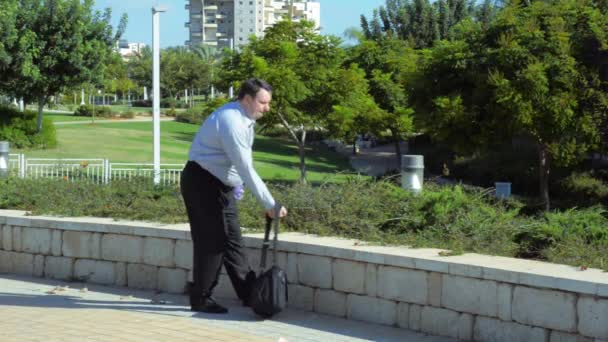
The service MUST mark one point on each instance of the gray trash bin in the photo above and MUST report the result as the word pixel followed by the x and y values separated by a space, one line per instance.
pixel 412 172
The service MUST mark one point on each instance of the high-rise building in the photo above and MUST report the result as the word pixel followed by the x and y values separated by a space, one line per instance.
pixel 220 22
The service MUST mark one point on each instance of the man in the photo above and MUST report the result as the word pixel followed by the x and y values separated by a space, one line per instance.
pixel 219 162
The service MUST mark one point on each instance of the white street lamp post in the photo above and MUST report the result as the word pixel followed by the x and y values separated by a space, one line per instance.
pixel 4 156
pixel 231 91
pixel 156 11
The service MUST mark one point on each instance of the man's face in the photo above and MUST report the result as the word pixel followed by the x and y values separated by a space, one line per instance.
pixel 258 105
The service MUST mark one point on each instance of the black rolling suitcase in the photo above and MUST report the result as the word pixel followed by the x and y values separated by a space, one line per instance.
pixel 269 292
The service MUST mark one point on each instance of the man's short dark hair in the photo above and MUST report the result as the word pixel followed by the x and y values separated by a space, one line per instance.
pixel 252 86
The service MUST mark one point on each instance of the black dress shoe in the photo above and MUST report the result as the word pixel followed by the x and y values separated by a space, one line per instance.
pixel 208 305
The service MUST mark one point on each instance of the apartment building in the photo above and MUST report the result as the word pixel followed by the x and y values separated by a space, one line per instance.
pixel 128 50
pixel 222 22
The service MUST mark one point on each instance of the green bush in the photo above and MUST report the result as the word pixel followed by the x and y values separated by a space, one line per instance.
pixel 170 112
pixel 199 113
pixel 100 111
pixel 582 190
pixel 104 112
pixel 20 129
pixel 84 110
pixel 129 114
pixel 452 217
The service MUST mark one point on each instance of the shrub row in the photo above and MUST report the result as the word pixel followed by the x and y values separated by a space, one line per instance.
pixel 451 217
pixel 101 112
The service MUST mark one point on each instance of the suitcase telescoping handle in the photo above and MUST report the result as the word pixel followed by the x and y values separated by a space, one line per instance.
pixel 270 224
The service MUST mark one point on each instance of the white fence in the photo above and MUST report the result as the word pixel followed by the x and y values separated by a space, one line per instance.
pixel 100 171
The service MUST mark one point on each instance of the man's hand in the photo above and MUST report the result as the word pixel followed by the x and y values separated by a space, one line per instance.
pixel 271 212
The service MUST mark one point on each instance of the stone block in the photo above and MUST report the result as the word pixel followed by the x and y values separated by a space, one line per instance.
pixel 120 272
pixel 558 336
pixel 172 280
pixel 22 263
pixel 158 252
pixel 371 280
pixel 38 266
pixel 125 248
pixel 7 237
pixel 5 261
pixel 434 292
pixel 349 276
pixel 36 240
pixel 505 297
pixel 301 297
pixel 469 295
pixel 544 308
pixel 17 247
pixel 183 254
pixel 402 284
pixel 292 268
pixel 444 322
pixel 142 276
pixel 493 330
pixel 330 302
pixel 315 271
pixel 415 317
pixel 371 309
pixel 56 242
pixel 403 315
pixel 593 317
pixel 95 271
pixel 81 244
pixel 58 267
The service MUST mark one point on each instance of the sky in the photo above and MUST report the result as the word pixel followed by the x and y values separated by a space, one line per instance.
pixel 336 17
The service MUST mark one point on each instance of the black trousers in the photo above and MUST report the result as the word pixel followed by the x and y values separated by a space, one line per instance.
pixel 216 232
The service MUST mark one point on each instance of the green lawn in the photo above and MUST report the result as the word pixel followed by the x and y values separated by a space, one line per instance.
pixel 275 159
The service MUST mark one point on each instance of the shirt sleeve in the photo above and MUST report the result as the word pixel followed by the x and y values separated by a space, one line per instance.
pixel 234 139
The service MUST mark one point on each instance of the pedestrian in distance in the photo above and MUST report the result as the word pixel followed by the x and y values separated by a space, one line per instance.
pixel 220 165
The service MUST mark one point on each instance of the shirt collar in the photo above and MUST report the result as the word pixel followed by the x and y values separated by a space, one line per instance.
pixel 250 122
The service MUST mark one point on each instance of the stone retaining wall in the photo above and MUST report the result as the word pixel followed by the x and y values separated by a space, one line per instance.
pixel 469 297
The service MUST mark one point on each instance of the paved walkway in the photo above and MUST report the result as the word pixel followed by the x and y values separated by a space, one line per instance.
pixel 34 309
pixel 374 161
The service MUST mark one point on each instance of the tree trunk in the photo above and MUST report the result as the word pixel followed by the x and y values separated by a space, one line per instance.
pixel 302 153
pixel 397 151
pixel 301 144
pixel 41 101
pixel 191 98
pixel 544 169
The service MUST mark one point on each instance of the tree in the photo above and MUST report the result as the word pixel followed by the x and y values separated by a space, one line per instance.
pixel 301 65
pixel 115 77
pixel 421 22
pixel 60 44
pixel 356 112
pixel 140 68
pixel 212 57
pixel 390 66
pixel 524 75
pixel 186 70
pixel 8 33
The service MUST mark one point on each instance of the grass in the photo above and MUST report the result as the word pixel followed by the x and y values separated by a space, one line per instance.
pixel 274 158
